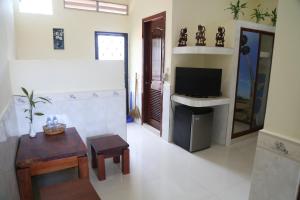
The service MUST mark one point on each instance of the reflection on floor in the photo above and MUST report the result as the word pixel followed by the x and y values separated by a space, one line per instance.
pixel 240 127
pixel 163 171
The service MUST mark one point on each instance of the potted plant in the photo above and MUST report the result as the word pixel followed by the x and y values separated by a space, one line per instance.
pixel 32 102
pixel 236 8
pixel 259 14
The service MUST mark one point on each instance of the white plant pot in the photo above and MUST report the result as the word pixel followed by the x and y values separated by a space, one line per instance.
pixel 32 132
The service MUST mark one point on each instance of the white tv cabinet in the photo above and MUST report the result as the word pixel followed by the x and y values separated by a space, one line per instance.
pixel 221 108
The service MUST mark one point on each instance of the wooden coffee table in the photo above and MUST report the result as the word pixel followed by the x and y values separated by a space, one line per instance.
pixel 45 154
pixel 109 146
pixel 73 190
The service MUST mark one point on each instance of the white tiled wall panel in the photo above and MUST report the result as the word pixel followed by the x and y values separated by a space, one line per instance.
pixel 92 113
pixel 276 172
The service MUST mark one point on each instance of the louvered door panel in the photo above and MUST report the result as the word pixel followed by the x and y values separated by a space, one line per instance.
pixel 155 102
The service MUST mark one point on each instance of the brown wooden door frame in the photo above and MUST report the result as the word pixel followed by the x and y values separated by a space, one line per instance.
pixel 252 129
pixel 146 21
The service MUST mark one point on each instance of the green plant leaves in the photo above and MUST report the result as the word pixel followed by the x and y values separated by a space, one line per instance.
pixel 39 114
pixel 259 14
pixel 31 96
pixel 273 16
pixel 236 8
pixel 32 104
pixel 25 91
pixel 45 99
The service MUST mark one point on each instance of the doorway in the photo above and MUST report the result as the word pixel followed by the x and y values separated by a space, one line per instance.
pixel 153 69
pixel 254 69
pixel 113 46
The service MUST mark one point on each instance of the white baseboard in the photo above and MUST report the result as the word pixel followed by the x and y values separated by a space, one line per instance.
pixel 278 144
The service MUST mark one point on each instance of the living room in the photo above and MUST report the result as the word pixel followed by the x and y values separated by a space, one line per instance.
pixel 95 93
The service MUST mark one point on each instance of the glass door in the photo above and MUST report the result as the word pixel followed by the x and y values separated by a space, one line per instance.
pixel 262 80
pixel 254 69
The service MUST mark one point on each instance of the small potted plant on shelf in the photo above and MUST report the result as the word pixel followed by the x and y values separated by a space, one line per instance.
pixel 236 8
pixel 32 102
pixel 259 14
pixel 273 16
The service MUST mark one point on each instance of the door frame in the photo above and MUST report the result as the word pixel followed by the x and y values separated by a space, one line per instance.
pixel 146 20
pixel 125 35
pixel 251 130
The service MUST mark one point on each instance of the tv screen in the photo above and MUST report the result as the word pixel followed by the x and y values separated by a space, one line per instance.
pixel 198 82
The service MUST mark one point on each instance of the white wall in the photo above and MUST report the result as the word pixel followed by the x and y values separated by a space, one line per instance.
pixel 276 173
pixel 34 32
pixel 88 95
pixel 8 145
pixel 6 50
pixel 72 71
pixel 46 76
pixel 140 9
pixel 283 107
pixel 211 14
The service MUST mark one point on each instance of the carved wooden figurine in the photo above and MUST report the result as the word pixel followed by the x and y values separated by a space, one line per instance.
pixel 183 37
pixel 200 36
pixel 220 37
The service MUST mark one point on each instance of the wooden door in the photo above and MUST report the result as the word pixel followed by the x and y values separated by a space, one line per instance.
pixel 154 51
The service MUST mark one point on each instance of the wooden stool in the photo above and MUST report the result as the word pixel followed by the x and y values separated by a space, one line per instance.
pixel 73 190
pixel 109 146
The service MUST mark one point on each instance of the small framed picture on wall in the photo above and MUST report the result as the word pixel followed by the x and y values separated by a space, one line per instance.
pixel 58 38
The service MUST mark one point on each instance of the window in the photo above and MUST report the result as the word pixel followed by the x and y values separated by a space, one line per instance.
pixel 98 6
pixel 112 8
pixel 110 47
pixel 36 6
pixel 81 4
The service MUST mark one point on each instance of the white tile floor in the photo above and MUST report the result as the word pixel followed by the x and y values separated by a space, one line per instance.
pixel 163 171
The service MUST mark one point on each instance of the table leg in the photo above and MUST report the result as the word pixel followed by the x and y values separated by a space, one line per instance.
pixel 125 162
pixel 94 157
pixel 83 167
pixel 116 159
pixel 101 167
pixel 24 182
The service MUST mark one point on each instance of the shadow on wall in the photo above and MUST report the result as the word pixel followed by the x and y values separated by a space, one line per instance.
pixel 8 182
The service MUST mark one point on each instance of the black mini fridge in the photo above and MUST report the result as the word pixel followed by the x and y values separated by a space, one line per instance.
pixel 192 127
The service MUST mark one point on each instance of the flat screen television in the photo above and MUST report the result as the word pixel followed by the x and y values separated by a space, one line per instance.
pixel 198 82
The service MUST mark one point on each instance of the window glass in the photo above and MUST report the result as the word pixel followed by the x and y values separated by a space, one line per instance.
pixel 81 4
pixel 98 6
pixel 36 6
pixel 110 47
pixel 112 8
